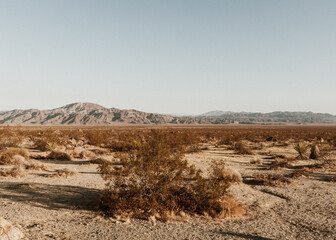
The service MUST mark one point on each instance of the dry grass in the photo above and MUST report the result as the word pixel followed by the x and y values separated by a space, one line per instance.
pixel 100 160
pixel 35 167
pixel 271 180
pixel 280 163
pixel 325 165
pixel 58 155
pixel 332 179
pixel 10 156
pixel 303 172
pixel 231 209
pixel 44 145
pixel 242 148
pixel 62 173
pixel 220 171
pixel 255 162
pixel 16 172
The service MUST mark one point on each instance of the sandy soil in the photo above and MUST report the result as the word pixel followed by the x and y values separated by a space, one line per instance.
pixel 64 208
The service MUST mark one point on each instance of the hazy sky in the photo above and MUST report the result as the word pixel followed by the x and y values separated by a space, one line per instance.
pixel 172 56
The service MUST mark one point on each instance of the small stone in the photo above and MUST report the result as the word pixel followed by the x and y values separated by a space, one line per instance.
pixel 8 231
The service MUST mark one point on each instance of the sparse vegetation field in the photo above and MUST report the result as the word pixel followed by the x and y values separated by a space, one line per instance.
pixel 209 177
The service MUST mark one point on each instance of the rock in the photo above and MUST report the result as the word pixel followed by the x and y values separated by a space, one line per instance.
pixel 8 231
pixel 314 152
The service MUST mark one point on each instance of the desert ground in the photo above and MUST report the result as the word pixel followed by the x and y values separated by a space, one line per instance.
pixel 285 196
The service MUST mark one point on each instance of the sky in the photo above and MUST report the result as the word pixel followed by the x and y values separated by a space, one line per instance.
pixel 169 56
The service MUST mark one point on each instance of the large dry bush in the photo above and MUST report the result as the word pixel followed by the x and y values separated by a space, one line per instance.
pixel 11 137
pixel 154 180
pixel 10 156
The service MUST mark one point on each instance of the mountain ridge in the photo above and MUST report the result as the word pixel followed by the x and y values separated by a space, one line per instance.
pixel 91 114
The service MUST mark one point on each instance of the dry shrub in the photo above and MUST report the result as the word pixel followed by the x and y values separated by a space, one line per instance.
pixel 332 179
pixel 279 163
pixel 303 172
pixel 62 173
pixel 231 209
pixel 325 165
pixel 35 167
pixel 194 148
pixel 220 171
pixel 95 137
pixel 154 180
pixel 242 148
pixel 256 162
pixel 44 145
pixel 57 155
pixel 271 179
pixel 100 160
pixel 84 154
pixel 99 151
pixel 325 150
pixel 301 148
pixel 258 146
pixel 11 137
pixel 16 172
pixel 10 156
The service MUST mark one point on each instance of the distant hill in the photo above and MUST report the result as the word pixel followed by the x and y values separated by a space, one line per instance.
pixel 273 117
pixel 86 114
pixel 91 114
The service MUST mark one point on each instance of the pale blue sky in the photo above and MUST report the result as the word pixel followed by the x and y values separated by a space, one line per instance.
pixel 172 56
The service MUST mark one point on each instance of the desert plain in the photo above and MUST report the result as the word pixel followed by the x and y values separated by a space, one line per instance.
pixel 286 193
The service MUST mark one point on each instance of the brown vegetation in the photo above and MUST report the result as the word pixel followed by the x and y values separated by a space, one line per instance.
pixel 153 179
pixel 57 155
pixel 301 149
pixel 149 175
pixel 16 172
pixel 271 179
pixel 10 156
pixel 62 173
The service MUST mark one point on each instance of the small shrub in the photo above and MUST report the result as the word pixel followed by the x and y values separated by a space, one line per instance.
pixel 271 180
pixel 62 173
pixel 325 165
pixel 242 148
pixel 87 154
pixel 303 172
pixel 99 160
pixel 95 138
pixel 35 167
pixel 301 148
pixel 16 172
pixel 220 171
pixel 279 163
pixel 332 179
pixel 256 162
pixel 194 148
pixel 57 155
pixel 8 157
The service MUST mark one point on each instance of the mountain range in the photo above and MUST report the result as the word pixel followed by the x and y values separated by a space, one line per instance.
pixel 91 114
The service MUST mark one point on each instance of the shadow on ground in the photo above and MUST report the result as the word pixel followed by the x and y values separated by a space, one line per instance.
pixel 50 196
pixel 244 236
